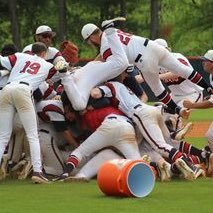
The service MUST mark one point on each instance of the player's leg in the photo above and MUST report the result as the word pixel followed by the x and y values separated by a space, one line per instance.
pixel 90 169
pixel 172 64
pixel 7 112
pixel 147 120
pixel 25 108
pixel 101 138
pixel 52 160
pixel 125 139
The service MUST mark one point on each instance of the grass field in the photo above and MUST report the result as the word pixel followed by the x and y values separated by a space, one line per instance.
pixel 178 196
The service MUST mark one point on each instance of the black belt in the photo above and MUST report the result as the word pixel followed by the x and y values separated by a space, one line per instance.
pixel 139 55
pixel 146 42
pixel 44 130
pixel 113 117
pixel 138 105
pixel 1 88
pixel 21 82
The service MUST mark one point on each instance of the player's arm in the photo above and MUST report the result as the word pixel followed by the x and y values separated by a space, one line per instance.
pixel 61 126
pixel 99 92
pixel 198 105
pixel 6 64
pixel 168 76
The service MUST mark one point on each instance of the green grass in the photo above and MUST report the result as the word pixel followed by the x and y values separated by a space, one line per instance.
pixel 178 196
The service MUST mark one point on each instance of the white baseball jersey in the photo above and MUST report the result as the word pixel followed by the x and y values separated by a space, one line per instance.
pixel 30 69
pixel 53 55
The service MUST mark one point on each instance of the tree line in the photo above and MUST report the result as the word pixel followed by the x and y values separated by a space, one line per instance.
pixel 186 24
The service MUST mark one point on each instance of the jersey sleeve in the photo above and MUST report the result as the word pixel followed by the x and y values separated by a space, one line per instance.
pixel 106 91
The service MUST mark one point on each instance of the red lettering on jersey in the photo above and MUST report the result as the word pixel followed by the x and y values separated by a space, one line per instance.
pixel 183 61
pixel 124 37
pixel 31 68
pixel 12 59
pixel 107 53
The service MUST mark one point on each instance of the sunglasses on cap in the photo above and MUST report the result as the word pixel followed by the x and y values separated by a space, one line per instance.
pixel 46 35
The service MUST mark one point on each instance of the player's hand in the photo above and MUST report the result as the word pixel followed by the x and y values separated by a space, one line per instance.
pixel 61 66
pixel 139 79
pixel 187 104
pixel 184 113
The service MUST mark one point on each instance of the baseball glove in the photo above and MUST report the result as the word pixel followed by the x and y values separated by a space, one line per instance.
pixel 69 51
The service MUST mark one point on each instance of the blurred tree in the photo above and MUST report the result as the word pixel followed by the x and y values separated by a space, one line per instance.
pixel 14 22
pixel 62 21
pixel 154 23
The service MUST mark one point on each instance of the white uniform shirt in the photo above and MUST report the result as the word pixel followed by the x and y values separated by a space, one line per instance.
pixel 132 45
pixel 31 69
pixel 53 55
pixel 127 99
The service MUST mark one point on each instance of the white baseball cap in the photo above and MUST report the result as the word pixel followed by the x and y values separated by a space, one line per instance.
pixel 209 55
pixel 87 30
pixel 161 42
pixel 44 29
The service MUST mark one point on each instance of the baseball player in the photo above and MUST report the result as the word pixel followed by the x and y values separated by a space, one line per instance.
pixel 27 72
pixel 110 128
pixel 78 84
pixel 147 56
pixel 150 123
pixel 208 64
pixel 203 105
pixel 180 89
pixel 45 35
pixel 54 131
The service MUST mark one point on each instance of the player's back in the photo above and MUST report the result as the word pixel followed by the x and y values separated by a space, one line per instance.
pixel 53 55
pixel 132 45
pixel 31 69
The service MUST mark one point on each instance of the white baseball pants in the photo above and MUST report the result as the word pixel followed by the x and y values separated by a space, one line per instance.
pixel 16 96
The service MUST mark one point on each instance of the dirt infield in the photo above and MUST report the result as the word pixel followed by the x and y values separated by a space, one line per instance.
pixel 199 129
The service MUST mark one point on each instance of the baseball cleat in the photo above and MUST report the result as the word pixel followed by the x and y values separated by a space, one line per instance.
pixel 3 168
pixel 61 178
pixel 188 170
pixel 180 134
pixel 76 179
pixel 112 22
pixel 38 177
pixel 165 171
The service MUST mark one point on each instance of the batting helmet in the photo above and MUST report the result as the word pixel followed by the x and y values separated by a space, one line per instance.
pixel 87 30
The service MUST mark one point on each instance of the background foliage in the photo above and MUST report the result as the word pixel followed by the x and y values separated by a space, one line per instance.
pixel 186 24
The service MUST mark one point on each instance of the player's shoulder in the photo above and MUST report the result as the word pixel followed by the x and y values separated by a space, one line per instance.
pixel 49 105
pixel 53 50
pixel 27 48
